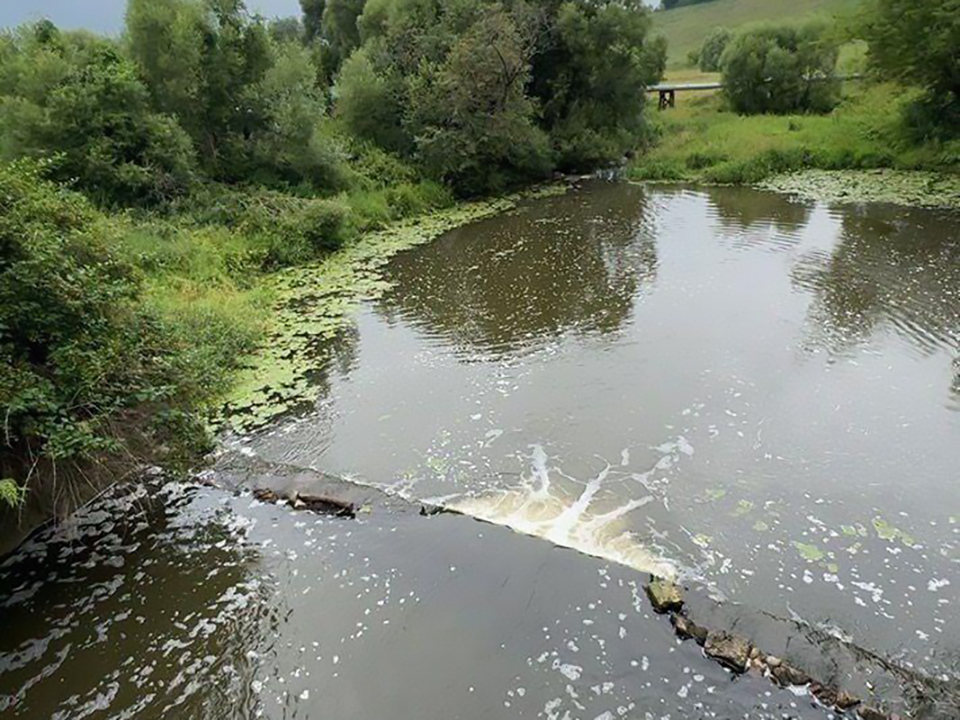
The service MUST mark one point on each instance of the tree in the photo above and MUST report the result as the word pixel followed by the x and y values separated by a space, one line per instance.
pixel 203 62
pixel 312 18
pixel 286 30
pixel 917 41
pixel 76 97
pixel 290 148
pixel 166 40
pixel 781 69
pixel 369 101
pixel 340 31
pixel 473 124
pixel 592 67
pixel 712 49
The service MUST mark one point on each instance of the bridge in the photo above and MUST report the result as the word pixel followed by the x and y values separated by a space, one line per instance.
pixel 668 91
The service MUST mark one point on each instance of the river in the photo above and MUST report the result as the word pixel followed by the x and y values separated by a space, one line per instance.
pixel 758 396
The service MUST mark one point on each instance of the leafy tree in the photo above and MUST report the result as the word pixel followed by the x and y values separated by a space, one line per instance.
pixel 254 102
pixel 781 69
pixel 199 60
pixel 286 30
pixel 340 30
pixel 671 4
pixel 917 41
pixel 593 64
pixel 369 101
pixel 312 18
pixel 708 59
pixel 291 148
pixel 473 124
pixel 166 39
pixel 76 97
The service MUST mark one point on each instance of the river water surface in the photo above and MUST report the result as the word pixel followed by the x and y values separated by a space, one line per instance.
pixel 758 396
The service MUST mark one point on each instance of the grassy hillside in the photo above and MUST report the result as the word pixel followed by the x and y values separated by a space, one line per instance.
pixel 686 27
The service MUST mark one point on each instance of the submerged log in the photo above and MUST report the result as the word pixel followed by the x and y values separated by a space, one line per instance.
pixel 325 505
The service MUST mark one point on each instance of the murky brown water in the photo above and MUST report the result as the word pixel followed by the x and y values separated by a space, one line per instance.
pixel 760 395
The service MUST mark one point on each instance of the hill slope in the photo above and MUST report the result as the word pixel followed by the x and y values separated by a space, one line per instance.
pixel 686 27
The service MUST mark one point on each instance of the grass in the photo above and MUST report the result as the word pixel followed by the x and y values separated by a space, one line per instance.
pixel 203 265
pixel 700 140
pixel 686 27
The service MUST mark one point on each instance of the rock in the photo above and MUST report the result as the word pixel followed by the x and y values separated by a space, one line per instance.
pixel 826 695
pixel 266 495
pixel 430 510
pixel 665 595
pixel 870 713
pixel 687 628
pixel 754 653
pixel 788 675
pixel 731 650
pixel 840 699
pixel 846 700
pixel 773 661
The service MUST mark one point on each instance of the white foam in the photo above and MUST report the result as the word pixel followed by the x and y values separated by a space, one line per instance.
pixel 543 509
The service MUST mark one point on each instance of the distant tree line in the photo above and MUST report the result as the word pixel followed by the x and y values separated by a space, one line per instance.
pixel 476 93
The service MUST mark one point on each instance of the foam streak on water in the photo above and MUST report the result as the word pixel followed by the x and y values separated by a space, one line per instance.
pixel 568 515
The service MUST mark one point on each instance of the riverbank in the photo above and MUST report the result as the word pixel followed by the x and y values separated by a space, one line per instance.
pixel 312 303
pixel 702 141
pixel 242 285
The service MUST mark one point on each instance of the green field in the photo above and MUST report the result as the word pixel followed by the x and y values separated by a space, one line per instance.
pixel 702 141
pixel 686 27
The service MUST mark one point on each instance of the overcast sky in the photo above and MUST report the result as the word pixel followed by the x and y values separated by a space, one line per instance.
pixel 106 15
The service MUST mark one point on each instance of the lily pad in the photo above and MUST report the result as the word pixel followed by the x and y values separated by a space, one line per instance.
pixel 810 553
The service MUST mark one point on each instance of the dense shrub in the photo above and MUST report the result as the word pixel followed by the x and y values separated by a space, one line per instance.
pixel 76 97
pixel 78 352
pixel 708 58
pixel 283 229
pixel 916 41
pixel 781 69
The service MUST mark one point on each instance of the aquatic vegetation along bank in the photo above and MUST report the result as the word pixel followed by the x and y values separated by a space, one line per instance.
pixel 314 302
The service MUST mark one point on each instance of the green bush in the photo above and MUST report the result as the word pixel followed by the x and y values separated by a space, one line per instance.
pixel 711 52
pixel 282 229
pixel 590 76
pixel 781 69
pixel 80 356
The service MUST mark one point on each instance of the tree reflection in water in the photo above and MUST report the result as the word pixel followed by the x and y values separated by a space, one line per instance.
pixel 518 282
pixel 892 266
